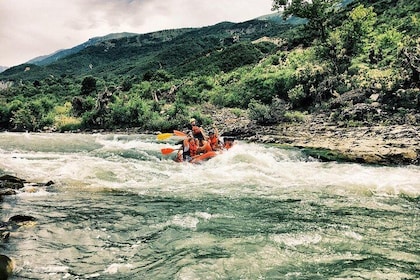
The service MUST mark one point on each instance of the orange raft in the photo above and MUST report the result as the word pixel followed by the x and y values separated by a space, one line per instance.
pixel 227 144
pixel 202 157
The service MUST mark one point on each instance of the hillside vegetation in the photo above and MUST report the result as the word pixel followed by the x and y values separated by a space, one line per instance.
pixel 359 65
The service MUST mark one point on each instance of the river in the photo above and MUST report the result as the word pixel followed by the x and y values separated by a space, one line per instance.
pixel 119 209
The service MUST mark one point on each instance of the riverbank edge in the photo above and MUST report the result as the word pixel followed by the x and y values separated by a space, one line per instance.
pixel 369 144
pixel 376 144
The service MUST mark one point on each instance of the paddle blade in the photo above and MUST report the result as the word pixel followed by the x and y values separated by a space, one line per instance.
pixel 180 133
pixel 167 151
pixel 163 136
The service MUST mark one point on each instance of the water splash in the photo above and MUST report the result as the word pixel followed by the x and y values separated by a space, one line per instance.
pixel 120 209
pixel 134 162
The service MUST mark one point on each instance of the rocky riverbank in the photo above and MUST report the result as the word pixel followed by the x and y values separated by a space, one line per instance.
pixel 385 145
pixel 396 144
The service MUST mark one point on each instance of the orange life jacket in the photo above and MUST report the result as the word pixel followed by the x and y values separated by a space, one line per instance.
pixel 193 148
pixel 214 141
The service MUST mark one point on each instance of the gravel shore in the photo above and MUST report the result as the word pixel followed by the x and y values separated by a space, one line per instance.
pixel 369 143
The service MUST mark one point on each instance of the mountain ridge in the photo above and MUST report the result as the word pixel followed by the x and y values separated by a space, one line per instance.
pixel 50 58
pixel 141 52
pixel 58 54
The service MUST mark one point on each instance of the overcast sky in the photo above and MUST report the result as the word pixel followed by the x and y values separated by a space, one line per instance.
pixel 31 28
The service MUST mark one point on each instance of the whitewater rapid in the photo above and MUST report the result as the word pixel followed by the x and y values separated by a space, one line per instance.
pixel 119 209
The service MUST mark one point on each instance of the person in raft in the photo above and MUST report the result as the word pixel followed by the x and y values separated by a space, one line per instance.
pixel 188 149
pixel 228 142
pixel 214 140
pixel 197 131
pixel 203 146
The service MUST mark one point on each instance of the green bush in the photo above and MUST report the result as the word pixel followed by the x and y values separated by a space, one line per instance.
pixel 260 113
pixel 4 116
pixel 66 123
pixel 295 116
pixel 23 120
pixel 88 85
pixel 297 95
pixel 267 114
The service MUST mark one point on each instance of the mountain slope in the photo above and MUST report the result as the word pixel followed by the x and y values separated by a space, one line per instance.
pixel 3 68
pixel 138 53
pixel 48 59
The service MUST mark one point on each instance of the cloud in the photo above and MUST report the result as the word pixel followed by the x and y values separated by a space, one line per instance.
pixel 30 28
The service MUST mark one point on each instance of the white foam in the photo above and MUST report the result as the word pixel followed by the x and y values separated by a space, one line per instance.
pixel 118 268
pixel 245 168
pixel 293 240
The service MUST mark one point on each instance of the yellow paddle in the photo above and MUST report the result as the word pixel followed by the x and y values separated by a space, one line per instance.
pixel 163 136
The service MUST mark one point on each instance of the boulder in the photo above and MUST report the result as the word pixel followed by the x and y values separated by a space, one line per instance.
pixel 6 267
pixel 21 219
pixel 11 182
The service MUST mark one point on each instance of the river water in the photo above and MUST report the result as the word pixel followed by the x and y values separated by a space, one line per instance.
pixel 119 209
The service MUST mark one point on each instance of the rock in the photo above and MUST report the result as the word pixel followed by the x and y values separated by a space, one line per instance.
pixel 374 97
pixel 5 235
pixel 7 192
pixel 21 219
pixel 49 183
pixel 11 182
pixel 360 112
pixel 6 267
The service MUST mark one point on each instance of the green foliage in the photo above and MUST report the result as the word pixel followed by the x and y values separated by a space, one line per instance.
pixel 30 116
pixel 158 76
pixel 267 47
pixel 387 45
pixel 225 59
pixel 260 88
pixel 66 123
pixel 88 85
pixel 131 113
pixel 267 114
pixel 22 120
pixel 194 92
pixel 318 13
pixel 297 96
pixel 81 105
pixel 352 38
pixel 201 119
pixel 237 55
pixel 295 116
pixel 259 113
pixel 158 81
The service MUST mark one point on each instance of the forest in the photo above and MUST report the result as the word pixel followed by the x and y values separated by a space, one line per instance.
pixel 358 62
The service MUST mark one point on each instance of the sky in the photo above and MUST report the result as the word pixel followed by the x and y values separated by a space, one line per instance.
pixel 32 28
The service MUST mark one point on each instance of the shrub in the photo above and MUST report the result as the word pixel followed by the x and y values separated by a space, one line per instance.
pixel 88 85
pixel 67 123
pixel 23 120
pixel 267 114
pixel 259 113
pixel 295 116
pixel 296 96
pixel 4 116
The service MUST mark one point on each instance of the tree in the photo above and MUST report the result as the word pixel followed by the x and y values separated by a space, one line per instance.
pixel 317 12
pixel 350 39
pixel 88 85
